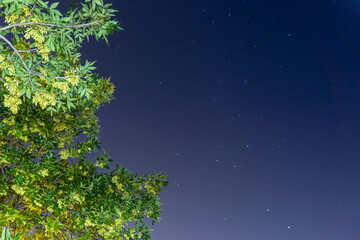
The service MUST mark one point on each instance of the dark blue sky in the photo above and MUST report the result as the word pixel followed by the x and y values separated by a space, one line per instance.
pixel 251 107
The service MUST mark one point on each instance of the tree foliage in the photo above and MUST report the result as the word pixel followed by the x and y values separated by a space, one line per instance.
pixel 49 186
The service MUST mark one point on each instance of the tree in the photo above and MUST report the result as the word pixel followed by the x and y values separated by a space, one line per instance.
pixel 49 187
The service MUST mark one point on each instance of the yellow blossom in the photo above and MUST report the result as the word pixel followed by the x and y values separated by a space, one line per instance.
pixel 72 77
pixel 64 154
pixel 44 172
pixel 12 102
pixel 99 164
pixel 18 189
pixel 63 86
pixel 44 99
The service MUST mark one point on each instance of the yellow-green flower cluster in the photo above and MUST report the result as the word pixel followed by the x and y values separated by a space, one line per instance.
pixel 6 65
pixel 61 203
pixel 18 189
pixel 11 70
pixel 130 234
pixel 9 120
pixel 35 34
pixel 63 86
pixel 150 188
pixel 75 196
pixel 44 73
pixel 106 230
pixel 43 50
pixel 89 223
pixel 4 161
pixel 117 182
pixel 99 164
pixel 13 18
pixel 44 172
pixel 38 34
pixel 3 192
pixel 2 59
pixel 12 100
pixel 44 99
pixel 64 154
pixel 72 77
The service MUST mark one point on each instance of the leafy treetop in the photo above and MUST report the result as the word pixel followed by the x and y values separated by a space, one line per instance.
pixel 48 98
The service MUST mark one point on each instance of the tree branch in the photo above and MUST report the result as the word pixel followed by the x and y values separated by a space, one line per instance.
pixel 32 83
pixel 23 62
pixel 65 227
pixel 49 25
pixel 30 50
pixel 16 51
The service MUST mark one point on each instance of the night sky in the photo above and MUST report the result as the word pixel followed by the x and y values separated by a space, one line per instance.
pixel 251 107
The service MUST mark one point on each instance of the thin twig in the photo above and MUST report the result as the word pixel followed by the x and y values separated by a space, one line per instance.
pixel 11 198
pixel 40 75
pixel 55 181
pixel 49 25
pixel 32 83
pixel 30 50
pixel 65 226
pixel 12 56
pixel 15 50
pixel 23 62
pixel 32 9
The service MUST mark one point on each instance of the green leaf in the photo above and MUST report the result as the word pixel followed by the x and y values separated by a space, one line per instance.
pixel 3 234
pixel 54 5
pixel 7 1
pixel 43 4
pixel 98 2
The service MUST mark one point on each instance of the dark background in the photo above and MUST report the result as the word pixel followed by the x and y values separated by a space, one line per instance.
pixel 251 107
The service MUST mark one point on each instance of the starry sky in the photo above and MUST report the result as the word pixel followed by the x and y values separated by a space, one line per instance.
pixel 251 106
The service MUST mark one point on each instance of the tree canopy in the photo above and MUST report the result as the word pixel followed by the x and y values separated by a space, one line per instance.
pixel 49 133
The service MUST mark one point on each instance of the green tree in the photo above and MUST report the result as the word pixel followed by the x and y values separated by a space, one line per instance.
pixel 49 187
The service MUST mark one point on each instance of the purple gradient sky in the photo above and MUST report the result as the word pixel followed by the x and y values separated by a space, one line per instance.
pixel 251 107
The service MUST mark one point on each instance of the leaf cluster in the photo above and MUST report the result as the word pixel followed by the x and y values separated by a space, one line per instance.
pixel 49 133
